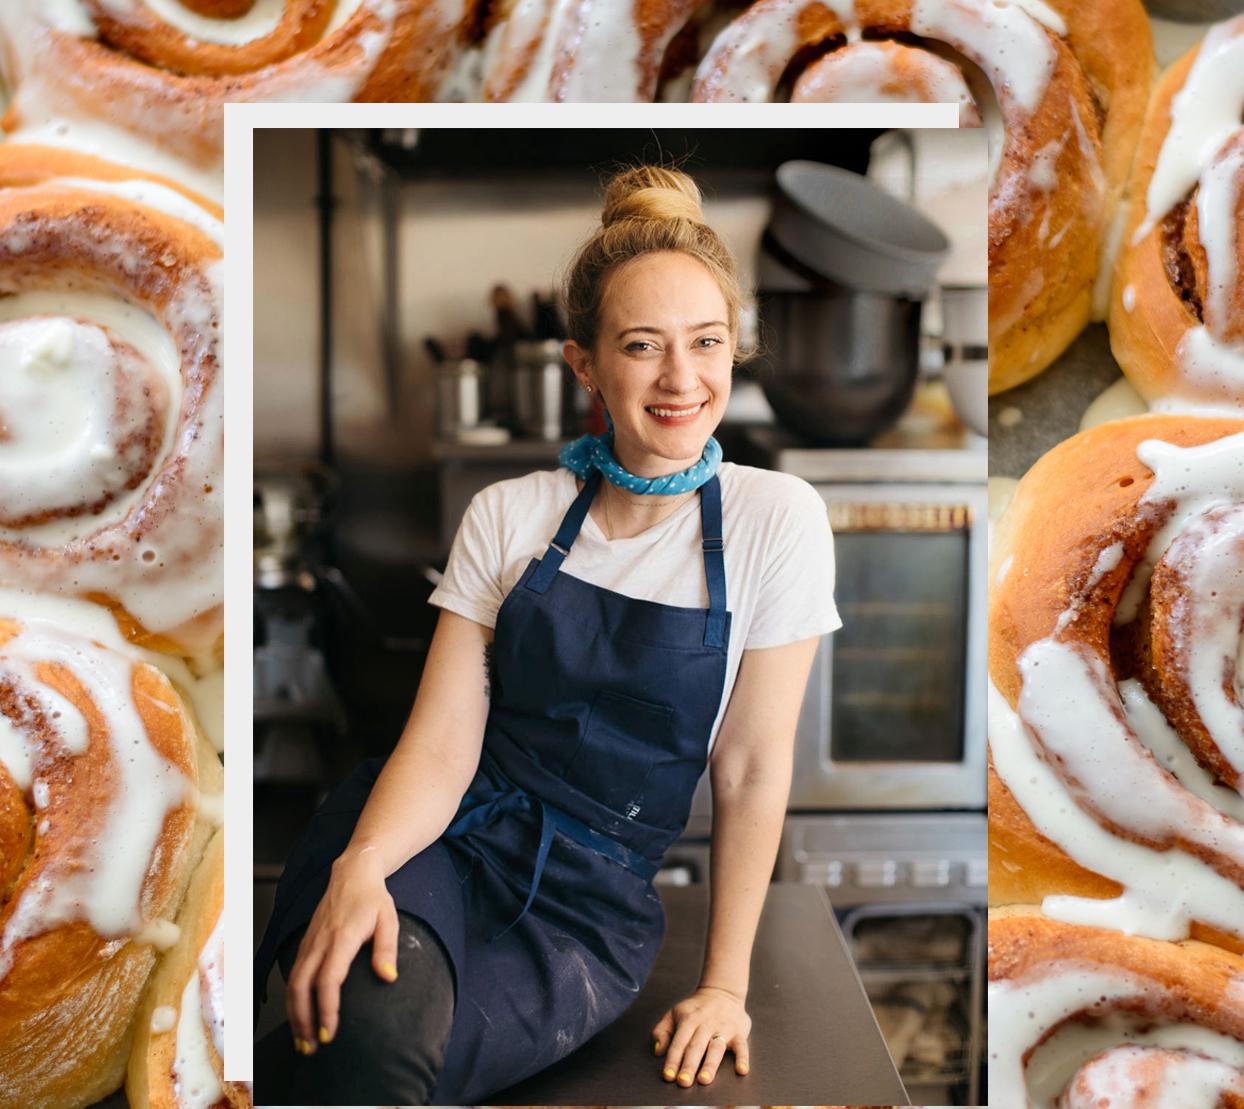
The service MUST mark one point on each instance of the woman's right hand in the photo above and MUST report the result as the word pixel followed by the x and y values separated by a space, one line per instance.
pixel 356 907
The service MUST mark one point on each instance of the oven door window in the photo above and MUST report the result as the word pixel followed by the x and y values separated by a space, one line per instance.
pixel 898 661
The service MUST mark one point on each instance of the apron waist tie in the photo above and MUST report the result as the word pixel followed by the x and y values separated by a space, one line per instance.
pixel 480 808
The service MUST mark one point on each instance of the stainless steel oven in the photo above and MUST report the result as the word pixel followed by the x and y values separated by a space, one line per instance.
pixel 894 713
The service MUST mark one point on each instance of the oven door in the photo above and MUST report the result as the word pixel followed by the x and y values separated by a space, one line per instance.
pixel 894 712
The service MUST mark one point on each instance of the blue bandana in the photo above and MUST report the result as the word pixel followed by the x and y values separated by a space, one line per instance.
pixel 595 452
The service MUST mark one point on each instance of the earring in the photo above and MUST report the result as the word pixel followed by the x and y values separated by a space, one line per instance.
pixel 588 388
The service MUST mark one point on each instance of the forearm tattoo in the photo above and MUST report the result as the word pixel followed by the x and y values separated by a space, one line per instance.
pixel 489 670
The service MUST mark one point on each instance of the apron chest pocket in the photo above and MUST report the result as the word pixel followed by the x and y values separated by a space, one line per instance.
pixel 623 739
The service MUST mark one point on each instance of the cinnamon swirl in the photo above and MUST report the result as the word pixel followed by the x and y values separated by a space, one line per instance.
pixel 1177 306
pixel 111 451
pixel 162 72
pixel 100 773
pixel 1081 1018
pixel 1116 727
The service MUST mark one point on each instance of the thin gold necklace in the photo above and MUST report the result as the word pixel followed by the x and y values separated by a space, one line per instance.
pixel 609 521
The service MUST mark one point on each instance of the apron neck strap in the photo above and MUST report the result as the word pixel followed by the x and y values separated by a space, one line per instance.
pixel 559 548
pixel 712 544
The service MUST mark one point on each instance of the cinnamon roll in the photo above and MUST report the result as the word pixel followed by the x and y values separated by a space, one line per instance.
pixel 1062 86
pixel 101 771
pixel 1177 306
pixel 1081 1018
pixel 1116 727
pixel 111 452
pixel 161 71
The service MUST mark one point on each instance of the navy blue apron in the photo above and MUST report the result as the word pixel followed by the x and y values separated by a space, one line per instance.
pixel 541 888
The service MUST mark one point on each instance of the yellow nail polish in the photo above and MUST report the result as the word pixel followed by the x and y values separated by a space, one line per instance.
pixel 389 971
pixel 669 1076
pixel 684 1077
pixel 705 1076
pixel 656 1048
pixel 744 1069
pixel 324 1036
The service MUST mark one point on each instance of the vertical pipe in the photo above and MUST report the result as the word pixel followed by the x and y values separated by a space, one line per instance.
pixel 390 193
pixel 325 202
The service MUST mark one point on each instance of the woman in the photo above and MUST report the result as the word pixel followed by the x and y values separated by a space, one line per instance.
pixel 501 865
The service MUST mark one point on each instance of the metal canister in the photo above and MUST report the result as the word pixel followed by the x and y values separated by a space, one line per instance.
pixel 459 397
pixel 540 379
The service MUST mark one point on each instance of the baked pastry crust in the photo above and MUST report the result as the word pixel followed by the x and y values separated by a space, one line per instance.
pixel 65 1037
pixel 1162 289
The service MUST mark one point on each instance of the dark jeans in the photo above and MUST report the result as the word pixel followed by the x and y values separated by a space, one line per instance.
pixel 390 1039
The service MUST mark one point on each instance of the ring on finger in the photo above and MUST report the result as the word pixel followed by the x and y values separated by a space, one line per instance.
pixel 716 1036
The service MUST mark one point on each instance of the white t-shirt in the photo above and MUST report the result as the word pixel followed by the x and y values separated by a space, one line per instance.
pixel 779 556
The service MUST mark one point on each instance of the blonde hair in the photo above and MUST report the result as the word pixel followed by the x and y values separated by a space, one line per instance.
pixel 646 209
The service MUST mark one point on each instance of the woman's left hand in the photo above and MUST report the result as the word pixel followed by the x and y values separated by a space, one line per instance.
pixel 696 1033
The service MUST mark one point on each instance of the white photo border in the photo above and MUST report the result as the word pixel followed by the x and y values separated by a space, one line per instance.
pixel 241 122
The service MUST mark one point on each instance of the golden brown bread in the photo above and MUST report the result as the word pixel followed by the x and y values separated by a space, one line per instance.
pixel 1051 582
pixel 80 800
pixel 1163 290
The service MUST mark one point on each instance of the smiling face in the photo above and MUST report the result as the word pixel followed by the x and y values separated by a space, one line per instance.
pixel 662 362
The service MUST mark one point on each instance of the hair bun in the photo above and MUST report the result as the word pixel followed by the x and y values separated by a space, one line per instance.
pixel 652 193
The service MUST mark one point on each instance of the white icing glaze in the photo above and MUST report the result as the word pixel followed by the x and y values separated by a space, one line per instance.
pixel 1204 114
pixel 1206 624
pixel 1217 200
pixel 1129 298
pixel 1171 752
pixel 212 808
pixel 100 882
pixel 163 1019
pixel 1004 39
pixel 756 47
pixel 1004 569
pixel 601 40
pixel 341 12
pixel 1068 700
pixel 261 20
pixel 1023 1013
pixel 161 934
pixel 1115 402
pixel 1151 1078
pixel 195 1082
pixel 212 987
pixel 870 73
pixel 1071 1051
pixel 96 623
pixel 150 195
pixel 76 414
pixel 1108 559
pixel 175 573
